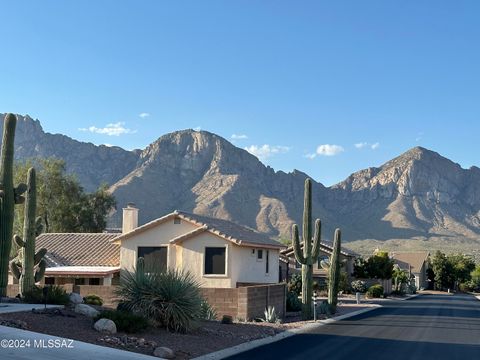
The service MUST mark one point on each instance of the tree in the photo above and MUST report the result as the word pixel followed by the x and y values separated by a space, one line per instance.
pixel 62 202
pixel 378 266
pixel 440 269
pixel 451 270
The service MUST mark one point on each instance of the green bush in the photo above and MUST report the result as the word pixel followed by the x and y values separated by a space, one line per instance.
pixel 169 298
pixel 375 291
pixel 56 295
pixel 124 320
pixel 227 319
pixel 295 284
pixel 207 311
pixel 359 286
pixel 293 302
pixel 93 300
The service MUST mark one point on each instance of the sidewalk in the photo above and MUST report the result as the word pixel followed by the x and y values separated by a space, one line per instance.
pixel 16 344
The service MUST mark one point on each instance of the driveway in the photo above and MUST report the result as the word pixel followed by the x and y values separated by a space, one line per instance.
pixel 428 327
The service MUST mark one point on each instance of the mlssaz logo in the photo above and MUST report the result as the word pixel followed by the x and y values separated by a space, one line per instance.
pixel 53 344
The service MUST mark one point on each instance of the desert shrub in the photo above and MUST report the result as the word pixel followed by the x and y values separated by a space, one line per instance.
pixel 56 295
pixel 93 300
pixel 227 319
pixel 375 291
pixel 468 286
pixel 125 321
pixel 169 298
pixel 293 302
pixel 324 308
pixel 295 284
pixel 359 286
pixel 207 312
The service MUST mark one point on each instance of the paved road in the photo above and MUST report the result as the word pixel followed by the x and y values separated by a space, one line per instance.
pixel 427 327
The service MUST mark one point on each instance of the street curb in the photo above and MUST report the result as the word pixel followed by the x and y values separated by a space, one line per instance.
pixel 237 349
pixel 412 297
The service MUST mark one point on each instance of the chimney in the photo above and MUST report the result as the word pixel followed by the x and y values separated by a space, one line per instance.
pixel 130 218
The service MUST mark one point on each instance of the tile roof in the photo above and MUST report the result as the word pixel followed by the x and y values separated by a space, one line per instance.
pixel 79 249
pixel 415 259
pixel 228 230
pixel 326 246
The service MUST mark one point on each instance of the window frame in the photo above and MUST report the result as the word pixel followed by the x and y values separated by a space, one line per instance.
pixel 204 259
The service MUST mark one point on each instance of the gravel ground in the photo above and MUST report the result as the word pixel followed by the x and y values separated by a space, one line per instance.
pixel 208 337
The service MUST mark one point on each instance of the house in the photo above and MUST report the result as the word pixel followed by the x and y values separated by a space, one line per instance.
pixel 219 253
pixel 291 266
pixel 416 263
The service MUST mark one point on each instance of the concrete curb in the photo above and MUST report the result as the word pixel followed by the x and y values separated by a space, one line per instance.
pixel 412 297
pixel 237 349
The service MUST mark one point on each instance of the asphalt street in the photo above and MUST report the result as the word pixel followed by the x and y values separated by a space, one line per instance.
pixel 427 327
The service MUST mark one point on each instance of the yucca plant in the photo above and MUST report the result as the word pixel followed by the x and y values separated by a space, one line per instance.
pixel 170 298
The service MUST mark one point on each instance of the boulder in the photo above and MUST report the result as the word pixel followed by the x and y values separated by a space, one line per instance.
pixel 164 353
pixel 86 310
pixel 105 326
pixel 75 298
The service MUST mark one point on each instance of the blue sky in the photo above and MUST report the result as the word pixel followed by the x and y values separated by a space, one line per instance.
pixel 286 77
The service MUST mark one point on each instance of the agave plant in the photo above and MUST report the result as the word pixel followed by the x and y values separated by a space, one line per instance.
pixel 270 315
pixel 207 311
pixel 170 298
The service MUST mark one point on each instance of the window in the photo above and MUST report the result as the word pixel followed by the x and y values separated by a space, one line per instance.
pixel 80 281
pixel 49 281
pixel 215 261
pixel 94 281
pixel 259 254
pixel 154 256
pixel 321 259
pixel 267 259
pixel 177 221
pixel 253 252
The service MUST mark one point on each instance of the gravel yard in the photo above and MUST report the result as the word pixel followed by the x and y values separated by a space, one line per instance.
pixel 209 336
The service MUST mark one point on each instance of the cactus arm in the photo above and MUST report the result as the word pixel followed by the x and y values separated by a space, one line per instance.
pixel 15 269
pixel 39 226
pixel 297 249
pixel 317 240
pixel 40 272
pixel 18 240
pixel 39 255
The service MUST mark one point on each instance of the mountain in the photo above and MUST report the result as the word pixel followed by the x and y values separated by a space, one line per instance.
pixel 419 200
pixel 92 164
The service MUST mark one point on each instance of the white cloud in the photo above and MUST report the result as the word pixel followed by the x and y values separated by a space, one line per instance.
pixel 239 137
pixel 114 129
pixel 329 150
pixel 361 145
pixel 198 128
pixel 109 145
pixel 144 115
pixel 266 151
pixel 311 156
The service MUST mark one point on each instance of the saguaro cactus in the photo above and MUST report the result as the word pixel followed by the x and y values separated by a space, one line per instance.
pixel 29 267
pixel 311 250
pixel 334 272
pixel 9 196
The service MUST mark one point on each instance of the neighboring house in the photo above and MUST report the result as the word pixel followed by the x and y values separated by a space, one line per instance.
pixel 219 253
pixel 290 265
pixel 416 263
pixel 79 258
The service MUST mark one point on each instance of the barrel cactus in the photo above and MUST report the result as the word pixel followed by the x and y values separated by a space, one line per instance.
pixel 311 250
pixel 334 272
pixel 29 267
pixel 9 196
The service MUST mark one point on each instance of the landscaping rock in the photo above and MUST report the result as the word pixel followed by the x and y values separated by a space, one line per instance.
pixel 164 353
pixel 19 324
pixel 105 326
pixel 75 298
pixel 86 310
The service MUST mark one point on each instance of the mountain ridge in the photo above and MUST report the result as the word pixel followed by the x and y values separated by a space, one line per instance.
pixel 415 199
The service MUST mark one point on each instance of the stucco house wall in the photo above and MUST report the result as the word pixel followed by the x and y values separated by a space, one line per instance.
pixel 242 264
